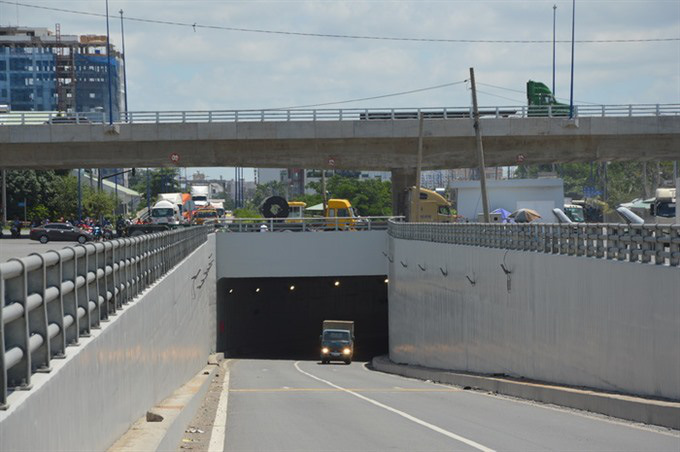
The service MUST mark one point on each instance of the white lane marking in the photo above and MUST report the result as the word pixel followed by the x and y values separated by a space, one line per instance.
pixel 219 430
pixel 543 405
pixel 451 435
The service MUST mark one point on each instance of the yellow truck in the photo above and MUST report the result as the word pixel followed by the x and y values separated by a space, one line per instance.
pixel 340 214
pixel 296 211
pixel 434 208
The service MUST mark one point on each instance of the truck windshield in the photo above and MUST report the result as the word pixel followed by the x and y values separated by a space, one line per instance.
pixel 336 336
pixel 207 214
pixel 200 198
pixel 575 214
pixel 157 213
pixel 665 209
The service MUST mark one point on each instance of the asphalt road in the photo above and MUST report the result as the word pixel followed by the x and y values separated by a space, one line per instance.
pixel 287 405
pixel 10 248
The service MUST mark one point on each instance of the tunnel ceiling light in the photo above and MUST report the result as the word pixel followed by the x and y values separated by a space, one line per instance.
pixel 337 283
pixel 231 290
pixel 387 280
pixel 292 287
pixel 257 290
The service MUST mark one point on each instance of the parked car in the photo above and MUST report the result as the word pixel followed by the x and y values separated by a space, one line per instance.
pixel 60 231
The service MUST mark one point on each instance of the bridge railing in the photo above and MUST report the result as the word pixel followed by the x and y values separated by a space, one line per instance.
pixel 50 300
pixel 647 244
pixel 352 114
pixel 307 224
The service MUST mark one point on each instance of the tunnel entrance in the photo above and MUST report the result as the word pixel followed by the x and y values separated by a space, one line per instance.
pixel 280 318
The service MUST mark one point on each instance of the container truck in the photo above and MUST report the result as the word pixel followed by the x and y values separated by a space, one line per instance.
pixel 199 195
pixel 337 341
pixel 434 208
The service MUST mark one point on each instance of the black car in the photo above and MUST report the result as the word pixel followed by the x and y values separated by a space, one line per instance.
pixel 60 231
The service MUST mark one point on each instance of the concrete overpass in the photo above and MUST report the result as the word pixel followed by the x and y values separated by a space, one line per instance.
pixel 343 139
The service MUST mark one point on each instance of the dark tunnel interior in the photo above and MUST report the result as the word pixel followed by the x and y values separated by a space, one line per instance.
pixel 280 318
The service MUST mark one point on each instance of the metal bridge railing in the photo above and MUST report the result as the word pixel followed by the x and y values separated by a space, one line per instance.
pixel 647 244
pixel 311 224
pixel 50 300
pixel 352 114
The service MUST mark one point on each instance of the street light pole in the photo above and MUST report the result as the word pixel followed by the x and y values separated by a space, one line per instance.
pixel 480 148
pixel 108 64
pixel 122 34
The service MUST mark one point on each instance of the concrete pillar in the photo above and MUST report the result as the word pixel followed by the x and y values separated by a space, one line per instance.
pixel 402 178
pixel 677 198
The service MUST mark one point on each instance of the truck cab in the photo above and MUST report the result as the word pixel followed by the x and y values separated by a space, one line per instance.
pixel 542 102
pixel 434 208
pixel 337 341
pixel 296 211
pixel 165 212
pixel 340 214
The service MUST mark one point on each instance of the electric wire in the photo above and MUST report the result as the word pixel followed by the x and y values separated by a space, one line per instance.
pixel 195 25
pixel 382 96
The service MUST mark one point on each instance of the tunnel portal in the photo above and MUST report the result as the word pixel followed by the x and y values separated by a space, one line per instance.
pixel 280 318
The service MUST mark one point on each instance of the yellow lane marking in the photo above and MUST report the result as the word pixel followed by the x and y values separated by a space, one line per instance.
pixel 339 390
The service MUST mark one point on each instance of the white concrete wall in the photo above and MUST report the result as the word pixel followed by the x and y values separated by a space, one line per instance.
pixel 324 253
pixel 539 194
pixel 572 320
pixel 149 349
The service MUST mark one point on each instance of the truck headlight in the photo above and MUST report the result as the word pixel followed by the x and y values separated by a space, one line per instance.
pixel 324 350
pixel 346 351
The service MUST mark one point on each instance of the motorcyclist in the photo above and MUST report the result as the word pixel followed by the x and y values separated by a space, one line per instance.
pixel 16 228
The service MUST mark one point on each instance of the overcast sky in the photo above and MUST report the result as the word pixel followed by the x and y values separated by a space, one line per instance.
pixel 182 68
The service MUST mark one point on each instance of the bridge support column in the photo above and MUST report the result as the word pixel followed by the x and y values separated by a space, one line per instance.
pixel 402 178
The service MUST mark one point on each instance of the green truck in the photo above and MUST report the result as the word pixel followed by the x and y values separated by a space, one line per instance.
pixel 337 341
pixel 542 101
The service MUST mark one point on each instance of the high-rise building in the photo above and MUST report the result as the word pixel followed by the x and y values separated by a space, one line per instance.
pixel 42 70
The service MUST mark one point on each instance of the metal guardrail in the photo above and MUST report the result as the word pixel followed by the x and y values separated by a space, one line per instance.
pixel 353 114
pixel 647 244
pixel 50 300
pixel 310 224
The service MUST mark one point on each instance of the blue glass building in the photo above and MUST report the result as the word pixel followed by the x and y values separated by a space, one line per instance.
pixel 45 71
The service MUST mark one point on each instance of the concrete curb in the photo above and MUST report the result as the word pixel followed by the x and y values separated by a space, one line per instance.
pixel 648 411
pixel 177 411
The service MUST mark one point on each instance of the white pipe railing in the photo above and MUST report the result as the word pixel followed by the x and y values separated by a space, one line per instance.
pixel 49 300
pixel 646 244
pixel 352 114
pixel 307 224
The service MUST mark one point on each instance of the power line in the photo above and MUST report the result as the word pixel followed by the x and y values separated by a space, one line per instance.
pixel 373 97
pixel 194 26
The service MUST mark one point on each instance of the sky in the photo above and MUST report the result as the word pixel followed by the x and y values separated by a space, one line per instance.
pixel 182 67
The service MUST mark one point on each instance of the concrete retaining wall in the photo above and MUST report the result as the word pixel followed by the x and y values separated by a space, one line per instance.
pixel 153 346
pixel 569 320
pixel 281 254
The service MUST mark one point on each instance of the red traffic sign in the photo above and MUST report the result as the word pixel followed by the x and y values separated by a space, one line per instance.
pixel 174 158
pixel 520 158
pixel 331 162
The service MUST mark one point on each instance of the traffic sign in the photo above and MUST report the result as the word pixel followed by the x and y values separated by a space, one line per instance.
pixel 174 158
pixel 21 204
pixel 520 158
pixel 591 192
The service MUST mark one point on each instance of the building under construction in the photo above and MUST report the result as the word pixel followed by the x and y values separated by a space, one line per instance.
pixel 43 70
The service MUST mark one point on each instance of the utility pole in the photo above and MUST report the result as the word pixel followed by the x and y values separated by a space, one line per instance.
pixel 323 190
pixel 80 196
pixel 571 90
pixel 4 198
pixel 554 36
pixel 480 148
pixel 419 164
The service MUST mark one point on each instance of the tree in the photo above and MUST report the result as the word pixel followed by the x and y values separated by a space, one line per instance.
pixel 370 197
pixel 98 204
pixel 264 191
pixel 33 187
pixel 163 180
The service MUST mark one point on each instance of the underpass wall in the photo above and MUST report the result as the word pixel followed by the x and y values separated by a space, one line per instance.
pixel 150 348
pixel 564 319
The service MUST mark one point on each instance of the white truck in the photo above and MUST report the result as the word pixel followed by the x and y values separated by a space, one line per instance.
pixel 199 195
pixel 166 212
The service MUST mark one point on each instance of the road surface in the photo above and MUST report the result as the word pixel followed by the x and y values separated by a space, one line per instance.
pixel 288 405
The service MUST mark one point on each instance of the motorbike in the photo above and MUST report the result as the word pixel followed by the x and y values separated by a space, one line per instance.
pixel 15 231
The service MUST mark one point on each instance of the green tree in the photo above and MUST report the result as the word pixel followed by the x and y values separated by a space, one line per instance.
pixel 162 180
pixel 370 197
pixel 65 203
pixel 97 204
pixel 264 191
pixel 33 187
